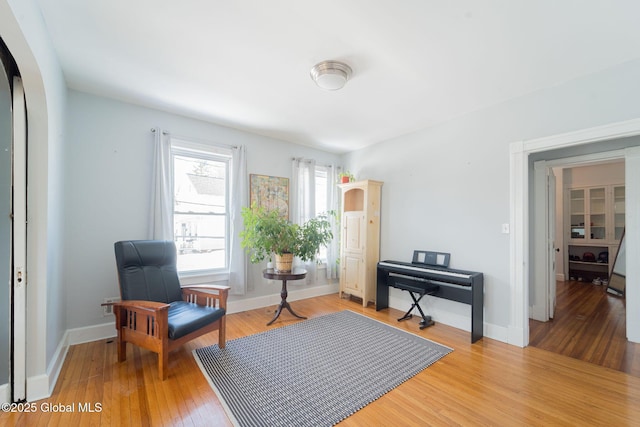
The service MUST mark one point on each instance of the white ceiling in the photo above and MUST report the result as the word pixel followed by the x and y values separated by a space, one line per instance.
pixel 416 63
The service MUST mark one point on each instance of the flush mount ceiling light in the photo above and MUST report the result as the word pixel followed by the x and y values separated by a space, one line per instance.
pixel 330 75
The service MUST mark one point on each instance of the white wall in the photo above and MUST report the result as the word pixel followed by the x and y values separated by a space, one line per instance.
pixel 447 188
pixel 108 163
pixel 588 176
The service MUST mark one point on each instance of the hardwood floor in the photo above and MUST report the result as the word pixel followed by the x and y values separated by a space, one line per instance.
pixel 486 383
pixel 589 325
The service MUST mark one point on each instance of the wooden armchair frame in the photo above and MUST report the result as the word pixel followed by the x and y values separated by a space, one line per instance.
pixel 145 323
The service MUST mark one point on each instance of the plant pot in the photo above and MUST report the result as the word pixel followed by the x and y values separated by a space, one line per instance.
pixel 345 179
pixel 284 263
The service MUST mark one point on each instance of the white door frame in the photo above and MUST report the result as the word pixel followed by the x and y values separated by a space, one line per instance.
pixel 520 267
pixel 543 281
pixel 19 279
pixel 550 233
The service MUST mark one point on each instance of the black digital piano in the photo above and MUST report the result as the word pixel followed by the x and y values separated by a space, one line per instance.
pixel 428 274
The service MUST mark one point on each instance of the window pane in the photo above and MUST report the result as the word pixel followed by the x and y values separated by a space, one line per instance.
pixel 321 190
pixel 200 240
pixel 200 212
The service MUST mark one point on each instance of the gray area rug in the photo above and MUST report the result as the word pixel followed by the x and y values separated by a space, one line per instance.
pixel 313 373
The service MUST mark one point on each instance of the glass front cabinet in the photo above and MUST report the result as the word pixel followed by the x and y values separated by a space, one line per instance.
pixel 597 214
pixel 596 224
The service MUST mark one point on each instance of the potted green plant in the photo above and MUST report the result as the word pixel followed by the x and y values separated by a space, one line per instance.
pixel 268 233
pixel 346 177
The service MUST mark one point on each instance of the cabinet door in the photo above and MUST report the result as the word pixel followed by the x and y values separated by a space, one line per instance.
pixel 353 232
pixel 597 214
pixel 352 274
pixel 577 210
pixel 618 211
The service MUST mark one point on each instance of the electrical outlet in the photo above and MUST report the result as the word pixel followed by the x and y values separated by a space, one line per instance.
pixel 108 309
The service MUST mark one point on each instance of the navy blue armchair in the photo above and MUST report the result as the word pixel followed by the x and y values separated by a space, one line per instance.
pixel 156 313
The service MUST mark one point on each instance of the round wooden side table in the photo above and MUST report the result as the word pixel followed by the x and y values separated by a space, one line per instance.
pixel 295 274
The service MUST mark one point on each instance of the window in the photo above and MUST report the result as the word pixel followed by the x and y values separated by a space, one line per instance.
pixel 200 207
pixel 321 190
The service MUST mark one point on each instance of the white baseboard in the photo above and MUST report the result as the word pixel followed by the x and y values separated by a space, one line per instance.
pixel 450 313
pixel 91 333
pixel 293 295
pixel 436 308
pixel 41 386
pixel 538 312
pixel 516 337
pixel 4 393
pixel 498 333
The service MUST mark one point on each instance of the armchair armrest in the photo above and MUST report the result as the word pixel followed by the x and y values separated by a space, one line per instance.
pixel 142 318
pixel 142 305
pixel 206 295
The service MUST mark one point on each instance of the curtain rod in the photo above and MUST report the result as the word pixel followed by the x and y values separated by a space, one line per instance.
pixel 327 165
pixel 197 140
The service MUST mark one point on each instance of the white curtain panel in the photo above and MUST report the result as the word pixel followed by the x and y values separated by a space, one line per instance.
pixel 303 189
pixel 303 200
pixel 161 220
pixel 333 197
pixel 238 198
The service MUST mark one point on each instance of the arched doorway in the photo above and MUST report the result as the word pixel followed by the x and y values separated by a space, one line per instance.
pixel 12 230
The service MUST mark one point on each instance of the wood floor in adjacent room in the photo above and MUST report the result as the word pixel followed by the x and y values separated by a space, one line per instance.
pixel 590 325
pixel 486 383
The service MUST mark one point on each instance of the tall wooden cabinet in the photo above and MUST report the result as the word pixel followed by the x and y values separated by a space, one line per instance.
pixel 360 239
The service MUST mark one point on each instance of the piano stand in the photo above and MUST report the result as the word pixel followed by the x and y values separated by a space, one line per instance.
pixel 414 292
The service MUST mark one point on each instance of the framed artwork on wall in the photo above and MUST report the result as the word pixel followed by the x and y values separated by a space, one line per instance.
pixel 270 192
